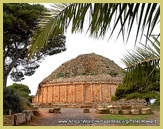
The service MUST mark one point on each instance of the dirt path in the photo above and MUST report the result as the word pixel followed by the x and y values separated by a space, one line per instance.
pixel 73 117
pixel 68 116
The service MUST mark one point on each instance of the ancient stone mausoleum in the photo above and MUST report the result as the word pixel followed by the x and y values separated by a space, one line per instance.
pixel 89 78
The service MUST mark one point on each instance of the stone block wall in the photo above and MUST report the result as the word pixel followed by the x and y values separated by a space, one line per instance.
pixel 134 103
pixel 29 114
pixel 75 93
pixel 18 118
pixel 133 106
pixel 126 107
pixel 8 120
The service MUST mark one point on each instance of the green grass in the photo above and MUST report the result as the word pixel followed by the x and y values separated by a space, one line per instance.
pixel 126 117
pixel 155 107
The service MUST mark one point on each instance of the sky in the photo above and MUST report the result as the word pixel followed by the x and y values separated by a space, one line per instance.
pixel 76 44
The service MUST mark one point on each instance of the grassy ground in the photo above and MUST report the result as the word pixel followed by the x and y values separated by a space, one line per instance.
pixel 155 107
pixel 126 117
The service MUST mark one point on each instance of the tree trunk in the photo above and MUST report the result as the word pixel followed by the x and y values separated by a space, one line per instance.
pixel 4 80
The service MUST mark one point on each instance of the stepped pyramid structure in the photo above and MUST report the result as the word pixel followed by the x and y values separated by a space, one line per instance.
pixel 89 78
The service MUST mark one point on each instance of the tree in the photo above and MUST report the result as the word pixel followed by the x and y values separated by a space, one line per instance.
pixel 16 98
pixel 101 18
pixel 19 24
pixel 11 101
pixel 142 77
pixel 21 89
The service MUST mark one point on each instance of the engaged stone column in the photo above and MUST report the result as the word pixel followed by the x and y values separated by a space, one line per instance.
pixel 83 92
pixel 47 94
pixel 74 93
pixel 37 98
pixel 67 93
pixel 42 94
pixel 110 91
pixel 59 93
pixel 92 92
pixel 100 92
pixel 52 93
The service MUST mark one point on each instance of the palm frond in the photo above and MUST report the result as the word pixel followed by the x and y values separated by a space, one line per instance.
pixel 49 26
pixel 143 67
pixel 101 15
pixel 143 54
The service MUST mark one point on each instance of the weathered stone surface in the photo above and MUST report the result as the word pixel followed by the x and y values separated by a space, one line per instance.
pixel 138 106
pixel 51 110
pixel 125 112
pixel 114 111
pixel 36 107
pixel 8 120
pixel 20 118
pixel 135 111
pixel 101 110
pixel 57 110
pixel 130 102
pixel 101 106
pixel 28 114
pixel 116 107
pixel 126 106
pixel 32 115
pixel 110 107
pixel 85 110
pixel 76 79
pixel 36 112
pixel 146 111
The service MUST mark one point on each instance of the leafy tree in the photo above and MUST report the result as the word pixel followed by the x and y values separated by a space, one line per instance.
pixel 11 101
pixel 142 77
pixel 157 102
pixel 19 24
pixel 102 17
pixel 22 89
pixel 14 99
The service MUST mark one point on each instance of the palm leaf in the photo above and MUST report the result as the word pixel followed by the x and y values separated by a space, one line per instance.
pixel 101 15
pixel 143 54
